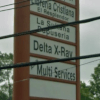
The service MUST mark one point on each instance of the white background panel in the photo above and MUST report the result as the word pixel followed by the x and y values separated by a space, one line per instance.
pixel 49 89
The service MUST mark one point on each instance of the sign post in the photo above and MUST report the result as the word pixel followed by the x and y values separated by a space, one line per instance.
pixel 55 81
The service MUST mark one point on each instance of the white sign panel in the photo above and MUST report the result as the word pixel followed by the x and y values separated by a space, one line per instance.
pixel 70 1
pixel 51 48
pixel 64 33
pixel 55 10
pixel 53 70
pixel 49 89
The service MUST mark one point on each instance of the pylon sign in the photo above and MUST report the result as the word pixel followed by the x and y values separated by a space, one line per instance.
pixel 52 81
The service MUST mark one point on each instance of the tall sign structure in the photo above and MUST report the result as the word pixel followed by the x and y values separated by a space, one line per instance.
pixel 54 81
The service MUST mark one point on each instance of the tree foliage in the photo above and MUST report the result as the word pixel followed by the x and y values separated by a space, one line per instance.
pixel 95 83
pixel 92 92
pixel 3 96
pixel 6 75
pixel 85 92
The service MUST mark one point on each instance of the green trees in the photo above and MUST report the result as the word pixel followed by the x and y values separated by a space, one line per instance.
pixel 6 77
pixel 3 96
pixel 85 92
pixel 92 92
pixel 95 83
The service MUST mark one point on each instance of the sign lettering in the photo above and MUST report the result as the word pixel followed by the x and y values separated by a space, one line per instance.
pixel 63 33
pixel 54 9
pixel 51 48
pixel 54 70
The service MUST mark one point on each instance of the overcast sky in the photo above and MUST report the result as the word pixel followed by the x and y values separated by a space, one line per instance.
pixel 89 33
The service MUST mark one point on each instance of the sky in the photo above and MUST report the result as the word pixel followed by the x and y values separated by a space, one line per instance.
pixel 89 34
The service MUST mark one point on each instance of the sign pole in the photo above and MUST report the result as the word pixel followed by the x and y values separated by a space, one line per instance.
pixel 78 53
pixel 21 52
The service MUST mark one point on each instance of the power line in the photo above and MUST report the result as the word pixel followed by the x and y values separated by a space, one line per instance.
pixel 81 64
pixel 62 69
pixel 14 3
pixel 15 8
pixel 89 62
pixel 49 61
pixel 51 27
pixel 22 6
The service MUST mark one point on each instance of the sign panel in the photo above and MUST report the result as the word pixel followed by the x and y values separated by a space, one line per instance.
pixel 53 70
pixel 49 89
pixel 54 10
pixel 73 2
pixel 51 48
pixel 64 33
